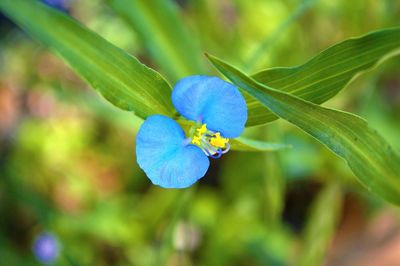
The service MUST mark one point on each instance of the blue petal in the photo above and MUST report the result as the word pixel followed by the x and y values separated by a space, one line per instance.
pixel 163 154
pixel 185 96
pixel 213 101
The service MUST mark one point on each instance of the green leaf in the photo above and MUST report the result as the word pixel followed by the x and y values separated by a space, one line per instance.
pixel 240 143
pixel 273 181
pixel 280 30
pixel 162 30
pixel 326 74
pixel 246 144
pixel 320 226
pixel 119 77
pixel 369 156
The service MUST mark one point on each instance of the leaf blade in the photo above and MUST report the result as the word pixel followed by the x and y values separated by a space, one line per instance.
pixel 326 74
pixel 251 145
pixel 368 155
pixel 321 225
pixel 241 143
pixel 119 77
pixel 162 30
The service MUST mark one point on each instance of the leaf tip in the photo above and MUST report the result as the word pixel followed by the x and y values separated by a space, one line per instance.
pixel 212 58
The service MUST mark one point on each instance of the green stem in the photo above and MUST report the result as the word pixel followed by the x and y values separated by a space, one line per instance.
pixel 167 244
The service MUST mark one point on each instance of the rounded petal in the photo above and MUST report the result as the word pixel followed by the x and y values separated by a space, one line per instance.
pixel 164 156
pixel 186 95
pixel 215 102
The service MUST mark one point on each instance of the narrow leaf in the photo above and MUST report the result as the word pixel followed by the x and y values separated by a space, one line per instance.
pixel 321 225
pixel 119 77
pixel 246 144
pixel 274 181
pixel 369 156
pixel 274 36
pixel 241 143
pixel 162 30
pixel 326 74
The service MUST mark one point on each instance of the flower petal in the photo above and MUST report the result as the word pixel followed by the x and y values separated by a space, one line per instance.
pixel 186 95
pixel 164 156
pixel 215 102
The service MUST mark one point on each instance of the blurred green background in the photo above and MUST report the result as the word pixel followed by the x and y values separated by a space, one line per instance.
pixel 67 160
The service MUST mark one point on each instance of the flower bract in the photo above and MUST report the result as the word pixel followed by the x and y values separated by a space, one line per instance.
pixel 172 159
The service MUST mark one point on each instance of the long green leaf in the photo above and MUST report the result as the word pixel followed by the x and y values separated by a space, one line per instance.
pixel 241 143
pixel 369 156
pixel 119 77
pixel 321 225
pixel 162 30
pixel 274 181
pixel 326 74
pixel 280 30
pixel 246 144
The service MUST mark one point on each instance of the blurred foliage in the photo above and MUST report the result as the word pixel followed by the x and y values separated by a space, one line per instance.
pixel 67 162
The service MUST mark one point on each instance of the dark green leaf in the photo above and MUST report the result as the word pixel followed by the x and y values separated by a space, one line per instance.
pixel 245 144
pixel 162 30
pixel 119 77
pixel 369 156
pixel 326 74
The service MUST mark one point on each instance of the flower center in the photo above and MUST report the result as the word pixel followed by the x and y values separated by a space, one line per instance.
pixel 211 142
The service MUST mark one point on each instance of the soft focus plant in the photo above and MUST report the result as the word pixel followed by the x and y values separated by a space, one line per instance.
pixel 72 166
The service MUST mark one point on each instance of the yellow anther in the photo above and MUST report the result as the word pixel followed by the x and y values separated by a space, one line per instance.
pixel 196 140
pixel 202 129
pixel 218 141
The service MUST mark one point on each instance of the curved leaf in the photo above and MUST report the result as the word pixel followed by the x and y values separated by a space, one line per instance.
pixel 241 143
pixel 321 225
pixel 162 30
pixel 326 74
pixel 369 156
pixel 119 77
pixel 245 144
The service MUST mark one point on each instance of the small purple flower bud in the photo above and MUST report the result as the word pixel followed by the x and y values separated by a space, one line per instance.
pixel 62 5
pixel 45 247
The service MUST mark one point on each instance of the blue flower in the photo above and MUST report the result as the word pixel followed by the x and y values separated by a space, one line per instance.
pixel 45 248
pixel 218 112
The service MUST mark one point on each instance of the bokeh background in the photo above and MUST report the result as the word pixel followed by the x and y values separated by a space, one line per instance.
pixel 67 160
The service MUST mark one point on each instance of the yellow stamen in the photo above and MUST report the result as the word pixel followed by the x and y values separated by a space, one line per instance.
pixel 218 141
pixel 202 129
pixel 196 140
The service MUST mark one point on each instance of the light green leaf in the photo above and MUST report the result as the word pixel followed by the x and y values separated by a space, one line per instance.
pixel 321 225
pixel 240 143
pixel 274 36
pixel 162 30
pixel 369 156
pixel 246 144
pixel 273 181
pixel 119 77
pixel 326 74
